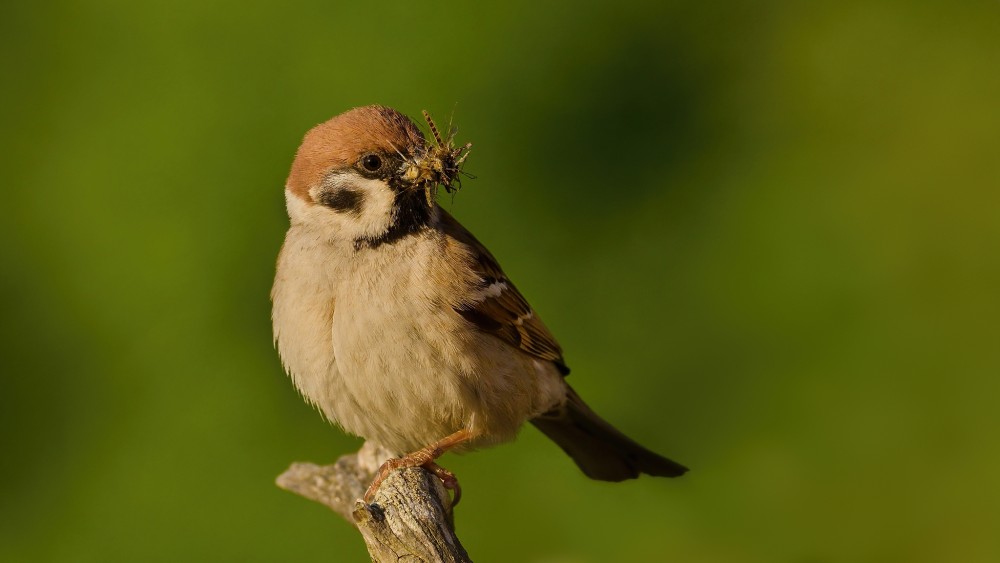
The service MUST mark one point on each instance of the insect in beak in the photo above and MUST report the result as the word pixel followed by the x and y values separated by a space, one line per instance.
pixel 439 164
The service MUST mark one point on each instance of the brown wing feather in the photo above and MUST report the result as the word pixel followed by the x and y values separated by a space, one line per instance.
pixel 504 313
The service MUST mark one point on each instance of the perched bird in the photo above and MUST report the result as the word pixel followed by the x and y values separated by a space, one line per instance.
pixel 401 327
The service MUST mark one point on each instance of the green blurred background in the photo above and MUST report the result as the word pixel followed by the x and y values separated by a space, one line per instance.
pixel 767 235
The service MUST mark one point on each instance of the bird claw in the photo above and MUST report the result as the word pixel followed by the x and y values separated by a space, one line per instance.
pixel 447 478
pixel 424 457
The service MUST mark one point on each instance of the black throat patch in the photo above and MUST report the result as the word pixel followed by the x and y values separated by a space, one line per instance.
pixel 411 214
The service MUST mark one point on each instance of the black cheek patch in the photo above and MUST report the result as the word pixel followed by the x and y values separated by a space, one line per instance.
pixel 344 200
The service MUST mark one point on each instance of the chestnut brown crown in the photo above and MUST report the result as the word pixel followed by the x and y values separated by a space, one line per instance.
pixel 341 141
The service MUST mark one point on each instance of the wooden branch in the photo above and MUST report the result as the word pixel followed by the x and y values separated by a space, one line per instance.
pixel 410 518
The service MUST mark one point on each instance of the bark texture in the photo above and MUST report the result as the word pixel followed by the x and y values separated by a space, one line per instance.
pixel 410 518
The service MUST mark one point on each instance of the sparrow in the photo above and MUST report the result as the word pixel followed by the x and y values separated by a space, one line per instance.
pixel 397 324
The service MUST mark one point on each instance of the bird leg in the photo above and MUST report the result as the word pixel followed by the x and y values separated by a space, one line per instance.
pixel 424 457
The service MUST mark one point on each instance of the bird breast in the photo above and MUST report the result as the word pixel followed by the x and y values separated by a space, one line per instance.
pixel 379 349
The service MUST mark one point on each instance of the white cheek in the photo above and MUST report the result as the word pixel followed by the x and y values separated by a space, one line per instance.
pixel 298 209
pixel 377 210
pixel 374 217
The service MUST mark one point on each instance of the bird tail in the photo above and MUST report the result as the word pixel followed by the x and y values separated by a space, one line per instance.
pixel 601 450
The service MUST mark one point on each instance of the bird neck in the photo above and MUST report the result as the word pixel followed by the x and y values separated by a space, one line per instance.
pixel 412 214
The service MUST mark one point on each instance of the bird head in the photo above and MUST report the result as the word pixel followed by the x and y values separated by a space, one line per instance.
pixel 369 176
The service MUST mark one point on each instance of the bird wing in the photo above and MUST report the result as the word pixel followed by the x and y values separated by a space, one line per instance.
pixel 496 307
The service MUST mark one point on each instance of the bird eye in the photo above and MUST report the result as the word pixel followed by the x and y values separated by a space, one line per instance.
pixel 371 162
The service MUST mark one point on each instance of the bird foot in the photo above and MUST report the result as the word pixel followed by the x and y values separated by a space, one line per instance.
pixel 447 478
pixel 424 457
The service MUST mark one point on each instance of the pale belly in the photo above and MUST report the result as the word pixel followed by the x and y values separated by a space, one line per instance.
pixel 409 392
pixel 416 373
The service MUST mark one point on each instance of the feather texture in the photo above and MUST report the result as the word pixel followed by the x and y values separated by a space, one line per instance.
pixel 496 306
